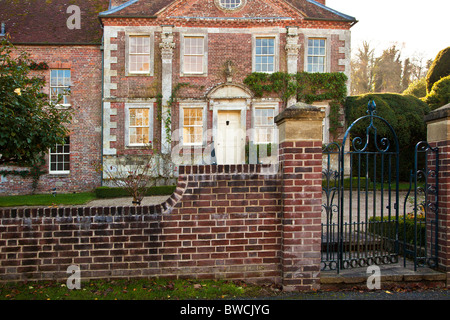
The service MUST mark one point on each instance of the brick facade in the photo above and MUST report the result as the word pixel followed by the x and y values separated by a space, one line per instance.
pixel 85 129
pixel 99 67
pixel 229 37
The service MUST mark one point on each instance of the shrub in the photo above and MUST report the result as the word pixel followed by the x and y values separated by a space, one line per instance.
pixel 115 192
pixel 405 227
pixel 440 93
pixel 439 68
pixel 417 88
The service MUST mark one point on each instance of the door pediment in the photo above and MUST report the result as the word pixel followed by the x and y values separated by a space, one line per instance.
pixel 229 91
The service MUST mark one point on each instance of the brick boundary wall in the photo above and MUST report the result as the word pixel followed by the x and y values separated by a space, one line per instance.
pixel 258 223
pixel 221 222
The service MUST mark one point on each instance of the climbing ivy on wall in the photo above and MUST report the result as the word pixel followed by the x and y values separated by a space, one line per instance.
pixel 170 103
pixel 305 86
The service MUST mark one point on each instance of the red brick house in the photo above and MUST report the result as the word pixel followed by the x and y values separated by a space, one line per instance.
pixel 74 60
pixel 121 83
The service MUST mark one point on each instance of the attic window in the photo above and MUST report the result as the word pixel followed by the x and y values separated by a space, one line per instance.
pixel 230 4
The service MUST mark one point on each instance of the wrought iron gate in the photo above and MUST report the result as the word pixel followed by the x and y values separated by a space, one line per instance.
pixel 360 215
pixel 420 226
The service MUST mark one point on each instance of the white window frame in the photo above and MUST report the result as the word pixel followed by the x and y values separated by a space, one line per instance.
pixel 276 53
pixel 50 162
pixel 324 56
pixel 67 86
pixel 204 72
pixel 318 34
pixel 129 106
pixel 128 55
pixel 193 105
pixel 269 105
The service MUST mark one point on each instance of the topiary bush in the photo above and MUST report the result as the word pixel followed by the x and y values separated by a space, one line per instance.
pixel 417 88
pixel 440 93
pixel 439 68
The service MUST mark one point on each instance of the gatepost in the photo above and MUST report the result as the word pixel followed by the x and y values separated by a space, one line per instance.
pixel 438 135
pixel 300 151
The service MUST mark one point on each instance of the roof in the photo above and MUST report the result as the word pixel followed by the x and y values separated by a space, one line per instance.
pixel 45 21
pixel 309 9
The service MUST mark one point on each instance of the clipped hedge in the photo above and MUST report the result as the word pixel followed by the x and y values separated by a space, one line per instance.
pixel 354 184
pixel 114 192
pixel 439 68
pixel 440 93
pixel 405 227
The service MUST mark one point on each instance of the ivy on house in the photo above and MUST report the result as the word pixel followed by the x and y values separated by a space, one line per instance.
pixel 305 86
pixel 170 103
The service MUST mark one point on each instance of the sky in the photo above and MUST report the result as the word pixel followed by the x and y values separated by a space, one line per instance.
pixel 418 27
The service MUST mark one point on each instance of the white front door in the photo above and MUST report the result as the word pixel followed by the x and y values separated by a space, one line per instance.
pixel 230 142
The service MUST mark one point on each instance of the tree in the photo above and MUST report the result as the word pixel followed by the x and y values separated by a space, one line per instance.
pixel 439 68
pixel 30 124
pixel 137 174
pixel 362 70
pixel 420 66
pixel 407 73
pixel 388 71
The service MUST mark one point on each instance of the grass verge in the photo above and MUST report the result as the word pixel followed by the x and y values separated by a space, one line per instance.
pixel 77 198
pixel 47 199
pixel 137 289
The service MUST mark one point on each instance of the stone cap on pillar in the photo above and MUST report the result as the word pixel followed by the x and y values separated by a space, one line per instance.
pixel 438 124
pixel 439 113
pixel 300 121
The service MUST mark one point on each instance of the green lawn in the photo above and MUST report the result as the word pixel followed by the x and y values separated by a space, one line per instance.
pixel 47 199
pixel 138 289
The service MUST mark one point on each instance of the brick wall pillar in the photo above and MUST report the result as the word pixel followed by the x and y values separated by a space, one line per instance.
pixel 300 150
pixel 438 134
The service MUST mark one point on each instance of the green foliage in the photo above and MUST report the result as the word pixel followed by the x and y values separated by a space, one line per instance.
pixel 403 112
pixel 305 86
pixel 387 71
pixel 439 68
pixel 47 199
pixel 313 87
pixel 115 192
pixel 406 228
pixel 154 289
pixel 29 123
pixel 439 94
pixel 417 88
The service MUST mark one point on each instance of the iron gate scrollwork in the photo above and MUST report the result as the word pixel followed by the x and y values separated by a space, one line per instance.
pixel 361 225
pixel 361 196
pixel 420 234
